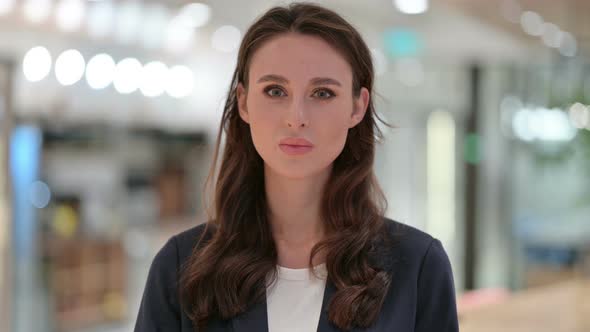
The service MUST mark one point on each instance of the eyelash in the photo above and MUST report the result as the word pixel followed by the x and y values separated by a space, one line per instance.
pixel 271 87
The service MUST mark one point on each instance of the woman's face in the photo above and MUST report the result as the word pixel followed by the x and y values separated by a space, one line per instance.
pixel 299 87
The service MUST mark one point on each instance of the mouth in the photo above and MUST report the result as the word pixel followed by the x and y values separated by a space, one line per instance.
pixel 295 149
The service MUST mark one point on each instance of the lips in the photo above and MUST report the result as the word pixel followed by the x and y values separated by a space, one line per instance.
pixel 296 141
pixel 295 145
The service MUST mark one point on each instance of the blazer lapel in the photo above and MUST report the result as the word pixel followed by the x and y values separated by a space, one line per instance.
pixel 380 258
pixel 254 319
pixel 324 325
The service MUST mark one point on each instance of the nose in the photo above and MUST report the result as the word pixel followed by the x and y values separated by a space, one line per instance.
pixel 297 116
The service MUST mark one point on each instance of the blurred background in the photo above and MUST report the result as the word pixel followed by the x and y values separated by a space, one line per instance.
pixel 109 111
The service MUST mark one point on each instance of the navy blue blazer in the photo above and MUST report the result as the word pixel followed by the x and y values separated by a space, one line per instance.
pixel 421 296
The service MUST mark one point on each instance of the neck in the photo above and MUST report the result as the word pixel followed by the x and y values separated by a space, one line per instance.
pixel 295 215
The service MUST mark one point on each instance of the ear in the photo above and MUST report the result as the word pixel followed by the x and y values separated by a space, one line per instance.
pixel 360 107
pixel 241 93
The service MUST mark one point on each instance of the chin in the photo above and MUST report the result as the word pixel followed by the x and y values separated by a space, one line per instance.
pixel 297 170
pixel 294 173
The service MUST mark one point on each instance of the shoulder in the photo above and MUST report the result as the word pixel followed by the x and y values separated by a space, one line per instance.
pixel 409 247
pixel 186 241
pixel 407 240
pixel 174 253
pixel 406 235
pixel 160 305
pixel 422 273
pixel 169 259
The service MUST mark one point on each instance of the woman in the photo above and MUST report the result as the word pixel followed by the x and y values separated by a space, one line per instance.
pixel 299 241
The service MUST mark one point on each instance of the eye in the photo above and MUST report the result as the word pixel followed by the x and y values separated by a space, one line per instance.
pixel 274 91
pixel 324 93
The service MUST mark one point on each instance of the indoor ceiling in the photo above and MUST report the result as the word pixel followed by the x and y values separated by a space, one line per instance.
pixel 569 15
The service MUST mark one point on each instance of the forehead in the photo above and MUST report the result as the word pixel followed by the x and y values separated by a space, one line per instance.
pixel 299 58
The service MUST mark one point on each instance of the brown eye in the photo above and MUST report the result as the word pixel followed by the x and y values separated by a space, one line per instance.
pixel 274 91
pixel 324 93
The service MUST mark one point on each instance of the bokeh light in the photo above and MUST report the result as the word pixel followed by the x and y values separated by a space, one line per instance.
pixel 411 6
pixel 153 79
pixel 579 115
pixel 568 46
pixel 39 194
pixel 195 15
pixel 100 71
pixel 36 11
pixel 69 14
pixel 543 124
pixel 552 35
pixel 532 23
pixel 36 64
pixel 402 42
pixel 69 67
pixel 522 125
pixel 127 75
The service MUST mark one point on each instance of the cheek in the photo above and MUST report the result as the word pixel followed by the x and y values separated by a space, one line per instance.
pixel 261 137
pixel 332 136
pixel 262 126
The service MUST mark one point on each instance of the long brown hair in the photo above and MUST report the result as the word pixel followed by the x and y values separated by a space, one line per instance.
pixel 227 274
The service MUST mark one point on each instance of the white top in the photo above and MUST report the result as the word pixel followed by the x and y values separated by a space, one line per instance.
pixel 294 301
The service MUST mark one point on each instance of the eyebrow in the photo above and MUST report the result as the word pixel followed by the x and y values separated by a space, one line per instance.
pixel 314 81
